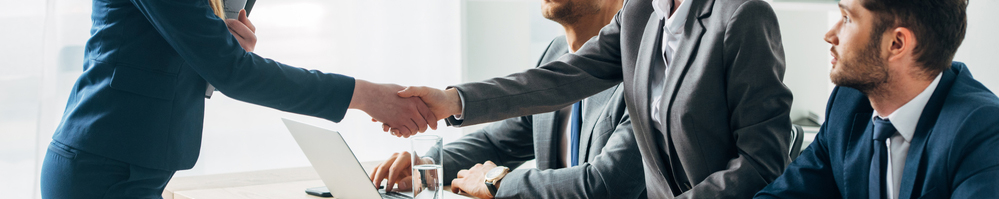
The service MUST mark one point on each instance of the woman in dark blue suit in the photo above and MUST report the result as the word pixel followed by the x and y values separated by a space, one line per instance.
pixel 135 115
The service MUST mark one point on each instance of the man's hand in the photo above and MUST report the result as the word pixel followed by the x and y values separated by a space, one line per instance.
pixel 397 169
pixel 443 103
pixel 472 181
pixel 243 30
pixel 406 116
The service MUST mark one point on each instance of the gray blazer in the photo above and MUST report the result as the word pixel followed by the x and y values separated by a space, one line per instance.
pixel 725 106
pixel 609 164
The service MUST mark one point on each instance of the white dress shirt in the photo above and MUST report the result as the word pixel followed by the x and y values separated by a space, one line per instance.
pixel 904 119
pixel 672 30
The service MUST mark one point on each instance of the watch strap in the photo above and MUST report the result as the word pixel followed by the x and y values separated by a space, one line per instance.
pixel 491 187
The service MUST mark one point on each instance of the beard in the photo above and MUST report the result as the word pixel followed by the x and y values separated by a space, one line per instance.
pixel 865 71
pixel 570 12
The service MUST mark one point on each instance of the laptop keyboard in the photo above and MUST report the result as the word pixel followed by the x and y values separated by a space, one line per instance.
pixel 394 195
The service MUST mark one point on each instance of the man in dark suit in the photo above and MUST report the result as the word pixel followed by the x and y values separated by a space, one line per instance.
pixel 702 80
pixel 904 120
pixel 134 116
pixel 586 150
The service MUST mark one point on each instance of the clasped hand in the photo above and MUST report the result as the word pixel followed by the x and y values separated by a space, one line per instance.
pixel 441 104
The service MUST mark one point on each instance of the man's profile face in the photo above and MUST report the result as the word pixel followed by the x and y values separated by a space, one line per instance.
pixel 857 56
pixel 568 11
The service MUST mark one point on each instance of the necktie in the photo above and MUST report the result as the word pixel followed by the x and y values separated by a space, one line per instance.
pixel 576 119
pixel 882 130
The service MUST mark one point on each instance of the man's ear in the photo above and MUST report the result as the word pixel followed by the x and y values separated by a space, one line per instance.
pixel 903 42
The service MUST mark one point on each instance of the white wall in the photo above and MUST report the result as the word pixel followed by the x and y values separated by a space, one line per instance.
pixel 502 37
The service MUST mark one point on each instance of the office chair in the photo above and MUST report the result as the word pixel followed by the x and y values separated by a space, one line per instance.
pixel 797 136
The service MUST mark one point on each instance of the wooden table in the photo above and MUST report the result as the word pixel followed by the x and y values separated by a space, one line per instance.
pixel 277 183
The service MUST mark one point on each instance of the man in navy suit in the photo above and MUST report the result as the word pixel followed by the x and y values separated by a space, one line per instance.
pixel 135 115
pixel 905 121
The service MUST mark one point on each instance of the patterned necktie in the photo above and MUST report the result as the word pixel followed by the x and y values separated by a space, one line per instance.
pixel 882 130
pixel 576 119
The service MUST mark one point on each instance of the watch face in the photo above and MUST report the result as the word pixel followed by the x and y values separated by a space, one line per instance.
pixel 494 172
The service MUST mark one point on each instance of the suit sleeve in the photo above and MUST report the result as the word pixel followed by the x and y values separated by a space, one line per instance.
pixel 593 68
pixel 509 143
pixel 976 163
pixel 809 176
pixel 758 103
pixel 615 173
pixel 204 42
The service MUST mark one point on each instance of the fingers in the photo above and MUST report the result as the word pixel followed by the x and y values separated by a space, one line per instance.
pixel 428 115
pixel 420 124
pixel 408 129
pixel 406 183
pixel 381 172
pixel 246 21
pixel 243 34
pixel 490 163
pixel 372 175
pixel 462 173
pixel 413 91
pixel 395 172
pixel 456 184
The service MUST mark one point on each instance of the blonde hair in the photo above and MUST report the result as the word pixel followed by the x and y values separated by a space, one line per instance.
pixel 217 7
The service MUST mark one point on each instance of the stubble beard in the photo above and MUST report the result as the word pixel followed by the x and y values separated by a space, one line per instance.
pixel 866 71
pixel 570 12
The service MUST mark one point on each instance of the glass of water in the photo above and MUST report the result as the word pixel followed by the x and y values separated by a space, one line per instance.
pixel 428 168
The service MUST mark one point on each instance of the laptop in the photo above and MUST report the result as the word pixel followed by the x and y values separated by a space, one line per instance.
pixel 337 166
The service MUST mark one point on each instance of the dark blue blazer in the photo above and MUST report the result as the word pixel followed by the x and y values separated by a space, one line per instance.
pixel 140 98
pixel 954 152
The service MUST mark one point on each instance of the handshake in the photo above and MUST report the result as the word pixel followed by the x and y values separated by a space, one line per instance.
pixel 404 111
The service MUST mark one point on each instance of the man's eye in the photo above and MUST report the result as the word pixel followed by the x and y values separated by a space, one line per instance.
pixel 846 19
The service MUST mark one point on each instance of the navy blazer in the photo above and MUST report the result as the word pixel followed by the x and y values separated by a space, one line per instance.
pixel 140 98
pixel 953 153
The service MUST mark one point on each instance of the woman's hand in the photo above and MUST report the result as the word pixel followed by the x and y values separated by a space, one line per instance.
pixel 243 30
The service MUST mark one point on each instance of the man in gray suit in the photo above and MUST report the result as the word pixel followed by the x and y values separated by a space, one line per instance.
pixel 607 163
pixel 703 84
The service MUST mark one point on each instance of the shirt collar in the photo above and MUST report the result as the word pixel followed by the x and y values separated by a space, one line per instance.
pixel 674 23
pixel 906 117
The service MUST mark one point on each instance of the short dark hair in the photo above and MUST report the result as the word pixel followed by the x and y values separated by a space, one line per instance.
pixel 939 26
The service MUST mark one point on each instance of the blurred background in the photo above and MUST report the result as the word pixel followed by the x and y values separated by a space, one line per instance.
pixel 387 41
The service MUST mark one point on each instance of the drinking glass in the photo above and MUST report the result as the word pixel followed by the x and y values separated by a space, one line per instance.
pixel 428 168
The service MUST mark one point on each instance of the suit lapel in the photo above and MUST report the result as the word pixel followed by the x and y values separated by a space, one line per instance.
pixel 547 135
pixel 643 68
pixel 681 60
pixel 593 111
pixel 927 119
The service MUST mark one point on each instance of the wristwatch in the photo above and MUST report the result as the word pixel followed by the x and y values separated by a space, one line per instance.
pixel 494 176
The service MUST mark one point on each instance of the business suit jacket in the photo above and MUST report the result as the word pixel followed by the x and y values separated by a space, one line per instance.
pixel 952 153
pixel 609 165
pixel 140 98
pixel 725 108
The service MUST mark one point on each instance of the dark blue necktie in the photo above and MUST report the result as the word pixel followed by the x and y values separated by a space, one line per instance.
pixel 882 130
pixel 576 119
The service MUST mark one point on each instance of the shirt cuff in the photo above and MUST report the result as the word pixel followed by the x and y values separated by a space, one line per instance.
pixel 462 97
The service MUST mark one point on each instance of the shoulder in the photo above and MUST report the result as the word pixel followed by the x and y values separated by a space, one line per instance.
pixel 970 101
pixel 556 48
pixel 736 9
